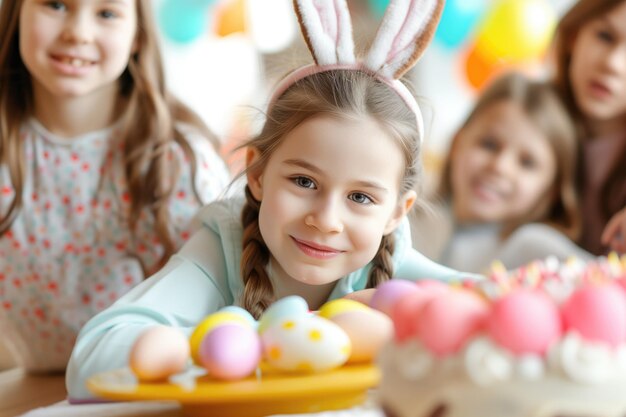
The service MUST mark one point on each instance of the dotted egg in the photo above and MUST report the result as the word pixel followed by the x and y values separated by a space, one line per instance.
pixel 309 344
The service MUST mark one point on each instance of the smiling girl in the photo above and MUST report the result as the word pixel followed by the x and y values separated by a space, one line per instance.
pixel 508 186
pixel 101 169
pixel 330 179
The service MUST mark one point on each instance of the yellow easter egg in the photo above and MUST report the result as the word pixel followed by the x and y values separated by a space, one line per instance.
pixel 208 324
pixel 341 305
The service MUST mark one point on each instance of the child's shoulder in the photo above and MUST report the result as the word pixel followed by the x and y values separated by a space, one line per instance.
pixel 221 212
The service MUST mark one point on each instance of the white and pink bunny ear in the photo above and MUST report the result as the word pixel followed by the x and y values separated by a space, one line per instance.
pixel 406 30
pixel 327 29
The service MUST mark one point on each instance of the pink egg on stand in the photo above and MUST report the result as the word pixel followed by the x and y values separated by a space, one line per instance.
pixel 406 310
pixel 525 321
pixel 389 292
pixel 230 351
pixel 597 312
pixel 450 319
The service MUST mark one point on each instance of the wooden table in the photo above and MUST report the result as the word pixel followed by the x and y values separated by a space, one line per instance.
pixel 20 392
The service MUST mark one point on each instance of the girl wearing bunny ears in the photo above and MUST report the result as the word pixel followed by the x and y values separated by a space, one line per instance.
pixel 330 179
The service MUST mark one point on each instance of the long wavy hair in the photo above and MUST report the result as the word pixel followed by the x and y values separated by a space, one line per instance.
pixel 342 94
pixel 578 16
pixel 542 105
pixel 148 122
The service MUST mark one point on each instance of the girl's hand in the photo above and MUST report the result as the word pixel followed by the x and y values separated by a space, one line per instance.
pixel 614 234
pixel 362 296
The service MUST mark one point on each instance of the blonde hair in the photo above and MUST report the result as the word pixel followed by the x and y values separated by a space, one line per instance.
pixel 543 106
pixel 570 24
pixel 343 94
pixel 148 129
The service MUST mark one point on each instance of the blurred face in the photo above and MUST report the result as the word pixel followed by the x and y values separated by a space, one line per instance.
pixel 75 48
pixel 502 166
pixel 598 69
pixel 328 194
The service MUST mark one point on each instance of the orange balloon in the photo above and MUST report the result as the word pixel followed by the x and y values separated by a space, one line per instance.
pixel 479 69
pixel 231 18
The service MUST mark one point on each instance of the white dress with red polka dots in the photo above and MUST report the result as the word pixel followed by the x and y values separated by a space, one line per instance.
pixel 69 254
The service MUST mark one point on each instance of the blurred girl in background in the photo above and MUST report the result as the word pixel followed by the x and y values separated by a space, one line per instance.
pixel 590 52
pixel 507 190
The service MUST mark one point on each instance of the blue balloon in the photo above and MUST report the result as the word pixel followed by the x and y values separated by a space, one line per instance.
pixel 378 7
pixel 458 20
pixel 183 21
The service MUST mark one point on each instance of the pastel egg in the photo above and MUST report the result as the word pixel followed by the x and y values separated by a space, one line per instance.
pixel 368 329
pixel 241 312
pixel 209 323
pixel 597 312
pixel 230 351
pixel 291 306
pixel 525 321
pixel 450 319
pixel 389 292
pixel 307 344
pixel 406 310
pixel 339 306
pixel 159 352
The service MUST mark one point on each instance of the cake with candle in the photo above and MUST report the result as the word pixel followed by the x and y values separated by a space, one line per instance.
pixel 545 340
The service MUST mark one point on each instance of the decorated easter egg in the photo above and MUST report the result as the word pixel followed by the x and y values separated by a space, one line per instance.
pixel 597 312
pixel 406 310
pixel 368 329
pixel 291 306
pixel 305 343
pixel 389 292
pixel 209 323
pixel 339 306
pixel 241 312
pixel 230 351
pixel 525 321
pixel 159 352
pixel 450 319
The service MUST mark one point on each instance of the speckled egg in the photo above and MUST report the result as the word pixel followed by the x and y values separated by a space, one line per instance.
pixel 305 343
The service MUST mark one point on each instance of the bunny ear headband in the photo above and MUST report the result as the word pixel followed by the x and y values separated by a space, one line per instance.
pixel 406 30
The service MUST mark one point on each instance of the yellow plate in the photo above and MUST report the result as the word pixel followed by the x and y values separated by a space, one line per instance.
pixel 273 393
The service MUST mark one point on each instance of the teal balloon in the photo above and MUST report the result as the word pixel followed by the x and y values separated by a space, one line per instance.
pixel 183 21
pixel 458 20
pixel 378 7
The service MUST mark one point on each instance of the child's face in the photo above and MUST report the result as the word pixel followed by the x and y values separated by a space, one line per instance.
pixel 502 166
pixel 598 67
pixel 328 194
pixel 76 47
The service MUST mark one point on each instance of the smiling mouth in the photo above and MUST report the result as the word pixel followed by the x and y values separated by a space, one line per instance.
pixel 316 251
pixel 73 61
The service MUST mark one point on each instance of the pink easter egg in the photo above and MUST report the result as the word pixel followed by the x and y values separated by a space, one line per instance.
pixel 597 312
pixel 406 310
pixel 230 351
pixel 389 292
pixel 525 321
pixel 450 319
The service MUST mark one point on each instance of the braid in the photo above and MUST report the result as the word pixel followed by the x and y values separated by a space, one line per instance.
pixel 258 291
pixel 382 265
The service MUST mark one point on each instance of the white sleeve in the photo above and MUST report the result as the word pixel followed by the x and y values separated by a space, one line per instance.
pixel 192 285
pixel 537 241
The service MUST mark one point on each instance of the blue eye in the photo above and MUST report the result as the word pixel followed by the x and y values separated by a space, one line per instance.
pixel 304 182
pixel 107 14
pixel 56 5
pixel 360 198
